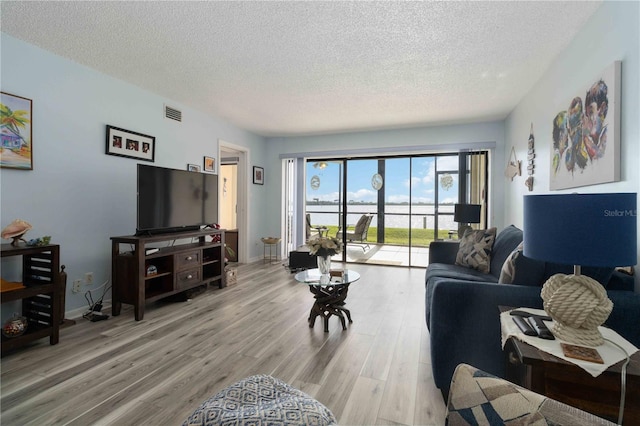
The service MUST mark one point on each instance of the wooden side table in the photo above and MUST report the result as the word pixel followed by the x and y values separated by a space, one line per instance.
pixel 555 378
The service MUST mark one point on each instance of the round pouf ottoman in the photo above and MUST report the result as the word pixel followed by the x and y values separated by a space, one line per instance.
pixel 261 400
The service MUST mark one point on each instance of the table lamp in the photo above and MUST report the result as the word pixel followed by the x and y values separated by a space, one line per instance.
pixel 465 214
pixel 596 230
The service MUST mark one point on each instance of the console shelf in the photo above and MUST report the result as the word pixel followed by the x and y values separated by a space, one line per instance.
pixel 140 278
pixel 41 296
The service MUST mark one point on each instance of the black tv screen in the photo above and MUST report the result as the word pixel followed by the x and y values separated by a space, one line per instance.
pixel 171 200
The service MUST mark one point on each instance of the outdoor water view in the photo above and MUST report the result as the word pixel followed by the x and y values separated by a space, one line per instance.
pixel 397 220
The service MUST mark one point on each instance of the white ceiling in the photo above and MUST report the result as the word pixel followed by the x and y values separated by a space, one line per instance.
pixel 294 68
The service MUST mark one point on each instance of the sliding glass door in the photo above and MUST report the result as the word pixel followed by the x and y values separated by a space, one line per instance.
pixel 387 210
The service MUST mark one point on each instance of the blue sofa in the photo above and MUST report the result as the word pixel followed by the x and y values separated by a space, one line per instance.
pixel 462 304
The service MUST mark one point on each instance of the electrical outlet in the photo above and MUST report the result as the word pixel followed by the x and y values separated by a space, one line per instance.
pixel 88 278
pixel 76 286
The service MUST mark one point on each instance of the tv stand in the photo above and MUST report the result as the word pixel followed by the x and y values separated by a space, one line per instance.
pixel 139 278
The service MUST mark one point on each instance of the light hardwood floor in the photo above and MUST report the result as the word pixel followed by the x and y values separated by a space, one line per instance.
pixel 156 371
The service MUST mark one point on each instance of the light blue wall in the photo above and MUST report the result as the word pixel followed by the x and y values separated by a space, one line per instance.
pixel 611 34
pixel 76 193
pixel 415 140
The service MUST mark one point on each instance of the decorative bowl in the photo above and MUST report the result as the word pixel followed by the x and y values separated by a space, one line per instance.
pixel 15 326
pixel 270 240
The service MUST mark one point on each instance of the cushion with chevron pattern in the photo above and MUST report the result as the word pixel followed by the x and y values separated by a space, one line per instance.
pixel 261 400
pixel 475 249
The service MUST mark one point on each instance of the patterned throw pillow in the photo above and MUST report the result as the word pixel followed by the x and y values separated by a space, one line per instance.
pixel 522 270
pixel 508 272
pixel 475 249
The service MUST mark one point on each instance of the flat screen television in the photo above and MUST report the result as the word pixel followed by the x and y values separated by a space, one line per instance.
pixel 171 200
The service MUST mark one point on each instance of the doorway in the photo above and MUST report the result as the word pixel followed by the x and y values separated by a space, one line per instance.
pixel 233 195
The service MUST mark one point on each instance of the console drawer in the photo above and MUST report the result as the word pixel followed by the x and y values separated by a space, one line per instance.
pixel 187 259
pixel 187 279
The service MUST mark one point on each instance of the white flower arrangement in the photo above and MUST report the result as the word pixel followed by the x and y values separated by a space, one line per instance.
pixel 325 246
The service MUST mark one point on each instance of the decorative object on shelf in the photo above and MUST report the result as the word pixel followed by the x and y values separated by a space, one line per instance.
pixel 193 167
pixel 513 166
pixel 258 175
pixel 15 326
pixel 465 214
pixel 16 230
pixel 377 181
pixel 15 138
pixel 324 248
pixel 586 141
pixel 151 270
pixel 215 238
pixel 530 156
pixel 125 143
pixel 605 236
pixel 209 164
pixel 42 241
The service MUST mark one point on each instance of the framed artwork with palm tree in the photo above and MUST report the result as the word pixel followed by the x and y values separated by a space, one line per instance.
pixel 15 132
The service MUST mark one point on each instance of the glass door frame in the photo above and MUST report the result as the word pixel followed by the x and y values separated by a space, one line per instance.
pixel 463 190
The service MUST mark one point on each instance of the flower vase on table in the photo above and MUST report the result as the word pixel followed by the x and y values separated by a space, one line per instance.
pixel 324 264
pixel 324 248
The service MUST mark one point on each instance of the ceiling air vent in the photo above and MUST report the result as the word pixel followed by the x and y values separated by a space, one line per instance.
pixel 172 113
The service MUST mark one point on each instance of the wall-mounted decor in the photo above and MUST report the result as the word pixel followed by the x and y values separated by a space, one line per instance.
pixel 125 143
pixel 586 140
pixel 513 166
pixel 193 167
pixel 258 175
pixel 530 156
pixel 15 132
pixel 315 182
pixel 209 164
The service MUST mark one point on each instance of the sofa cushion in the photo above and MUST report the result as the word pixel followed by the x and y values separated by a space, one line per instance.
pixel 506 241
pixel 456 272
pixel 521 270
pixel 475 249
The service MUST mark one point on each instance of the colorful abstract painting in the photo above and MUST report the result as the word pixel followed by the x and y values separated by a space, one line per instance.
pixel 15 132
pixel 586 147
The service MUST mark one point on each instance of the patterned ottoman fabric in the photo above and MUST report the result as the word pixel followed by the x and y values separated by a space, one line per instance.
pixel 261 400
pixel 478 398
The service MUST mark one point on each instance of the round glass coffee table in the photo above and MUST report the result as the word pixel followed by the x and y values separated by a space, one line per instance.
pixel 330 293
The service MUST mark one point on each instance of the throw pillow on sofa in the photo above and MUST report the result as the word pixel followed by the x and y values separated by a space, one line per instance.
pixel 475 249
pixel 525 270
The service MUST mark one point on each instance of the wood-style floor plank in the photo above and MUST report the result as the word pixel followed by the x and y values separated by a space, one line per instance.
pixel 157 371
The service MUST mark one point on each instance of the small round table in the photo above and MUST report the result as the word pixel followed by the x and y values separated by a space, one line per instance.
pixel 272 244
pixel 330 294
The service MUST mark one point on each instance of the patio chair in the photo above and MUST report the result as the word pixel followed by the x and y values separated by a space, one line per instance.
pixel 312 232
pixel 359 234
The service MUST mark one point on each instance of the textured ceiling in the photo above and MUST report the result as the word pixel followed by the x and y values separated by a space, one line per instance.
pixel 293 68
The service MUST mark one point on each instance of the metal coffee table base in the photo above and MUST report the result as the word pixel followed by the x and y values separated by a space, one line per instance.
pixel 330 300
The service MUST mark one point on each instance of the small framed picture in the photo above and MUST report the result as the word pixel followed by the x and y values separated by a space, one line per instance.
pixel 125 143
pixel 193 167
pixel 209 164
pixel 258 175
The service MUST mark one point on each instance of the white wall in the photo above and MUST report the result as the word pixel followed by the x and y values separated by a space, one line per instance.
pixel 76 193
pixel 415 140
pixel 611 34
